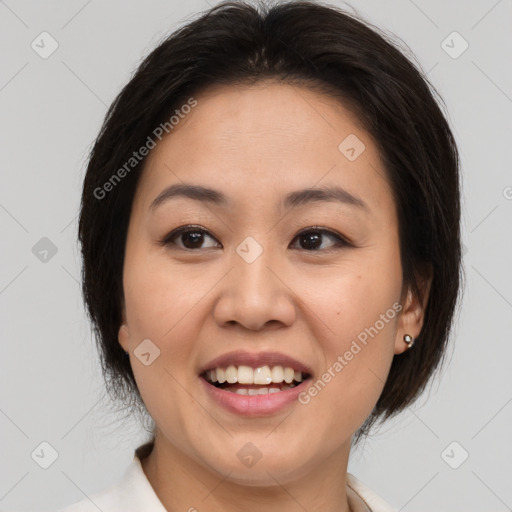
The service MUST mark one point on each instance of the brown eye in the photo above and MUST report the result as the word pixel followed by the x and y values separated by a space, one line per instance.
pixel 312 239
pixel 188 237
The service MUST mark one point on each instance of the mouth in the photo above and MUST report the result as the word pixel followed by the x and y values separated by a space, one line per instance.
pixel 251 381
pixel 254 384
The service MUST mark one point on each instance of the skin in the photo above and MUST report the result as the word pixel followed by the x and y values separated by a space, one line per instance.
pixel 256 144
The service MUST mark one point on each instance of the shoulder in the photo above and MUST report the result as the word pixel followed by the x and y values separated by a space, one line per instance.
pixel 373 502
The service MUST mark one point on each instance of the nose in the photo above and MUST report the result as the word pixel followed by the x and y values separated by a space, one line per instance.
pixel 256 295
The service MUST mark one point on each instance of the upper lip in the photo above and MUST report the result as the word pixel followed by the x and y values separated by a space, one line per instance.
pixel 255 360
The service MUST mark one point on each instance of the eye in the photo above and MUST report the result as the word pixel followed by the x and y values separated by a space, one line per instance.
pixel 311 239
pixel 191 237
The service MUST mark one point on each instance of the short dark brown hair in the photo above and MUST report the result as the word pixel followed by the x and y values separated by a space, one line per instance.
pixel 332 52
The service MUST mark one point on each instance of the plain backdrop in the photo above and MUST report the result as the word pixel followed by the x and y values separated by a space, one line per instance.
pixel 452 451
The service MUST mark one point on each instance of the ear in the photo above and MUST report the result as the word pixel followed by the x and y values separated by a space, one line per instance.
pixel 413 311
pixel 123 335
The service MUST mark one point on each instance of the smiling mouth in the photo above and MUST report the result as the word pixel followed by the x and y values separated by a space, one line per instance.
pixel 245 380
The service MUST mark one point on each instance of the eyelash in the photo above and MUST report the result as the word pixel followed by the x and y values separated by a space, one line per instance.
pixel 340 241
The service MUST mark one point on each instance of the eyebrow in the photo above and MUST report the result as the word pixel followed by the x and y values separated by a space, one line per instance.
pixel 292 200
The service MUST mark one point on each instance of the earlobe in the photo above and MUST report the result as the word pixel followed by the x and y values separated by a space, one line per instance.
pixel 124 337
pixel 412 316
pixel 123 334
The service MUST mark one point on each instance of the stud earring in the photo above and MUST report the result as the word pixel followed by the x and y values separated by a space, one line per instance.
pixel 409 340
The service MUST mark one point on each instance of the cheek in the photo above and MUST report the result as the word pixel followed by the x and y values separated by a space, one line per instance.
pixel 360 315
pixel 351 297
pixel 160 308
pixel 159 295
pixel 358 308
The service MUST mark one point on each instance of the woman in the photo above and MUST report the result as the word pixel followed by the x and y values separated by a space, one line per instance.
pixel 271 245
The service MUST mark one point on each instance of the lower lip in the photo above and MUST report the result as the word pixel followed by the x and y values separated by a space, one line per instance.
pixel 254 405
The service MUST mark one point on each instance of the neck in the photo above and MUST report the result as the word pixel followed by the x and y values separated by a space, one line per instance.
pixel 182 484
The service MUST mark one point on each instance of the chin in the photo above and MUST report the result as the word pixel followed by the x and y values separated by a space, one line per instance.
pixel 266 471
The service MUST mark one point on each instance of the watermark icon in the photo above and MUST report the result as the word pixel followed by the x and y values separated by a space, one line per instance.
pixel 44 45
pixel 146 352
pixel 507 193
pixel 454 45
pixel 137 156
pixel 454 455
pixel 249 249
pixel 249 454
pixel 44 250
pixel 343 360
pixel 351 147
pixel 44 455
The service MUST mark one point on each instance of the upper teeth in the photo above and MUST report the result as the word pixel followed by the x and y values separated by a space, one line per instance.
pixel 247 375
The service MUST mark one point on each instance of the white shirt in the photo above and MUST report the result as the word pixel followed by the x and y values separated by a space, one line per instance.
pixel 134 493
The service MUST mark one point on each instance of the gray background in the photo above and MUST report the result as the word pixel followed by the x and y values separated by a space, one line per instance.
pixel 51 110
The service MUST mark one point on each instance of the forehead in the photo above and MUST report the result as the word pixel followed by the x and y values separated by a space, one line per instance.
pixel 255 141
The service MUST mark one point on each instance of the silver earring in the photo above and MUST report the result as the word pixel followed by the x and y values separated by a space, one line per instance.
pixel 409 340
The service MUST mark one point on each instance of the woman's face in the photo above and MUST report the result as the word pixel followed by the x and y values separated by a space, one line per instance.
pixel 270 276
